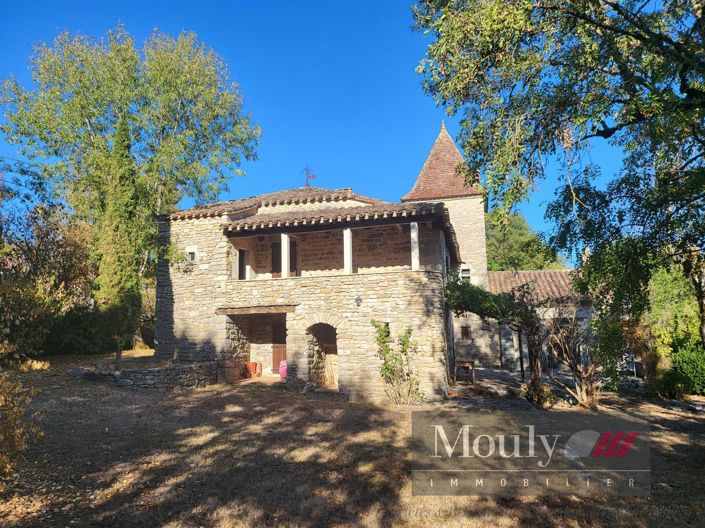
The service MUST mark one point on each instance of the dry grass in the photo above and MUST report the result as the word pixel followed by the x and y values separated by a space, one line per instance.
pixel 262 455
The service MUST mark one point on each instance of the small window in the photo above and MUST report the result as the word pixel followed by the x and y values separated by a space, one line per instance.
pixel 241 264
pixel 191 255
pixel 466 274
pixel 465 332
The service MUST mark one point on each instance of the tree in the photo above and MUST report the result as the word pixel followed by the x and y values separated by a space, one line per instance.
pixel 571 343
pixel 540 81
pixel 512 245
pixel 188 130
pixel 120 239
pixel 516 310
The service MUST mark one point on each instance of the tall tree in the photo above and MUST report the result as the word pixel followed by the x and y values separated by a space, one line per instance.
pixel 189 133
pixel 540 80
pixel 512 245
pixel 119 240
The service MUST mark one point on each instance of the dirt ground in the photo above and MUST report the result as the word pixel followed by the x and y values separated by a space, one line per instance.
pixel 265 455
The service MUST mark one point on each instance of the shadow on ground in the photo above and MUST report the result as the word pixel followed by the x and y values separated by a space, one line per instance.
pixel 259 455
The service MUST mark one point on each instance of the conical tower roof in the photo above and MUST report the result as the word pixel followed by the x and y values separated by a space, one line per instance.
pixel 439 176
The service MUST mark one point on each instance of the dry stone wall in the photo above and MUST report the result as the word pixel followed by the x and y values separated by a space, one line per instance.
pixel 168 377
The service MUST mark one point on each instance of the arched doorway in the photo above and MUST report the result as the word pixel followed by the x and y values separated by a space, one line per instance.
pixel 323 356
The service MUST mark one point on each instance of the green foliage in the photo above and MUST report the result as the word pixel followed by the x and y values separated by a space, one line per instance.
pixel 188 128
pixel 402 383
pixel 690 362
pixel 538 82
pixel 673 385
pixel 610 346
pixel 47 274
pixel 121 241
pixel 512 245
pixel 672 317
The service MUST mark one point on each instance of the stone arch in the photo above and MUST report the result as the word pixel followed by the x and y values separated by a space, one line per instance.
pixel 322 352
pixel 327 318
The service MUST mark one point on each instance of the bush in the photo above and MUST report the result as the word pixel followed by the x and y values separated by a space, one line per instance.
pixel 15 427
pixel 402 382
pixel 690 363
pixel 673 385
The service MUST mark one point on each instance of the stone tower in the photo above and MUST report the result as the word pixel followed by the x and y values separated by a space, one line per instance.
pixel 440 181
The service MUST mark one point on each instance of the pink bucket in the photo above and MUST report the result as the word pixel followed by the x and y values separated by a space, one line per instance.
pixel 282 370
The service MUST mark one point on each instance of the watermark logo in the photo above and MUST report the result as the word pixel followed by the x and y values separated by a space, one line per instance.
pixel 513 453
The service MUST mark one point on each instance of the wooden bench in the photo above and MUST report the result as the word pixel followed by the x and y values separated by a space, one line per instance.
pixel 470 365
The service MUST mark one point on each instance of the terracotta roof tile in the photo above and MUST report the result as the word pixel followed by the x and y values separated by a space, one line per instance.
pixel 548 285
pixel 439 176
pixel 288 196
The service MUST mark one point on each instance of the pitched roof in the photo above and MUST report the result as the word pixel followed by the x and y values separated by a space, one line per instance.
pixel 288 196
pixel 439 176
pixel 547 285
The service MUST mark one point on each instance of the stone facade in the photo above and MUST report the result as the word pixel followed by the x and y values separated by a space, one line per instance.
pixel 190 293
pixel 467 215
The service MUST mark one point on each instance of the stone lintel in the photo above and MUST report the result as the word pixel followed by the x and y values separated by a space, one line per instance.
pixel 269 309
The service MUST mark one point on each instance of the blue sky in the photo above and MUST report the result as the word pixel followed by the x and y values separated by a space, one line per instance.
pixel 332 84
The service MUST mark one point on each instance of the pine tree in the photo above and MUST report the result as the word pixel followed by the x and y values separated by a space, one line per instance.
pixel 119 242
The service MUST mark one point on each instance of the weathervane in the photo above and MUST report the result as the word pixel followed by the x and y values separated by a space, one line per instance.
pixel 309 175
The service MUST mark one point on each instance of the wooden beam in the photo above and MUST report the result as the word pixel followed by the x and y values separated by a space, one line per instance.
pixel 269 309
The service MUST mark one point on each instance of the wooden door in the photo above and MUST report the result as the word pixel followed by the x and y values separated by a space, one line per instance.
pixel 278 345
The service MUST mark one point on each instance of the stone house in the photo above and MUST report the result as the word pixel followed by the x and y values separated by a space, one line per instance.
pixel 299 274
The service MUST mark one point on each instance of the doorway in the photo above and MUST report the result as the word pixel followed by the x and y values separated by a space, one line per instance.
pixel 278 345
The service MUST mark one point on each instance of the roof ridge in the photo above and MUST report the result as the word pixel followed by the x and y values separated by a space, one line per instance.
pixel 301 194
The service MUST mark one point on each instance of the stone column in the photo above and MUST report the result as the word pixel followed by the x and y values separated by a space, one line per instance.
pixel 415 262
pixel 347 250
pixel 285 254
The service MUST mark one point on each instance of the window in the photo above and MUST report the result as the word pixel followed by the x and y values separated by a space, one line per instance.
pixel 466 274
pixel 241 264
pixel 191 256
pixel 465 332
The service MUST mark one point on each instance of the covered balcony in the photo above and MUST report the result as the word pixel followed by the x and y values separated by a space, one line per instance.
pixel 353 240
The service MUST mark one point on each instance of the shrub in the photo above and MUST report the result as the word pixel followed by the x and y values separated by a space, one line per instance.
pixel 15 427
pixel 673 385
pixel 402 383
pixel 690 363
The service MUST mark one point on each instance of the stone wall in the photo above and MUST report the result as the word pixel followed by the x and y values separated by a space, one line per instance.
pixel 169 377
pixel 189 329
pixel 468 218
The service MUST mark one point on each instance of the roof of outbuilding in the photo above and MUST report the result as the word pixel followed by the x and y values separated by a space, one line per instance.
pixel 547 285
pixel 288 196
pixel 439 177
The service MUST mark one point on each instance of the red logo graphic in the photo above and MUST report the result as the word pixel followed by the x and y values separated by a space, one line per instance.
pixel 613 444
